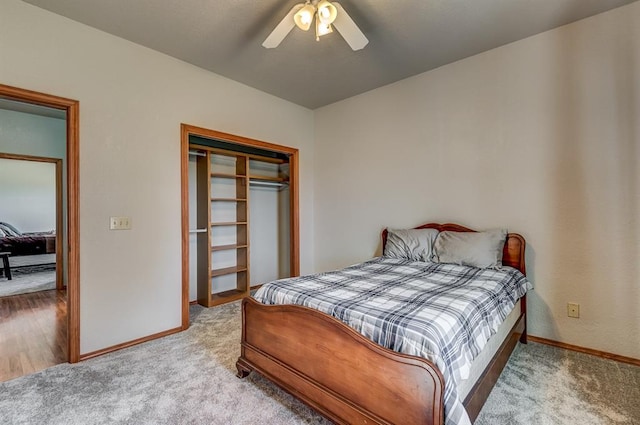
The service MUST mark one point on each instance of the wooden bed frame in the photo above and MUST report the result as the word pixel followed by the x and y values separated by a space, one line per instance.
pixel 349 378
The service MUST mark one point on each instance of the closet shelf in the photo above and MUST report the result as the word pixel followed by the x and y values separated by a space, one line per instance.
pixel 226 247
pixel 228 270
pixel 222 188
pixel 268 178
pixel 229 176
pixel 218 298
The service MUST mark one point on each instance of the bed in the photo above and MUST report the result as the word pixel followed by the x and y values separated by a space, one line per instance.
pixel 351 379
pixel 20 244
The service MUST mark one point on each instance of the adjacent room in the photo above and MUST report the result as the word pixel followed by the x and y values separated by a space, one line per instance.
pixel 29 202
pixel 32 284
pixel 294 212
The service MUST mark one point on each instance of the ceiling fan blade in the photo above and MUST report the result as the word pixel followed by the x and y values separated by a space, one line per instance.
pixel 282 29
pixel 348 29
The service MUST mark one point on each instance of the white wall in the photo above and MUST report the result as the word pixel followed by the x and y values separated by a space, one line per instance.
pixel 28 194
pixel 541 136
pixel 132 101
pixel 30 134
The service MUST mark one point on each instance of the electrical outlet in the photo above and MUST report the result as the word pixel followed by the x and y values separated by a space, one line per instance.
pixel 573 310
pixel 119 223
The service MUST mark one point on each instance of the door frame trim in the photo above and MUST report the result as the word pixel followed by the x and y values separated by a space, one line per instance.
pixel 72 108
pixel 187 130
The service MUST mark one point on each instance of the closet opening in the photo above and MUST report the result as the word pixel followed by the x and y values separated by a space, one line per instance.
pixel 239 216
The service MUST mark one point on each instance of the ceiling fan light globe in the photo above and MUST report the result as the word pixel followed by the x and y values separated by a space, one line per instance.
pixel 322 29
pixel 304 17
pixel 327 12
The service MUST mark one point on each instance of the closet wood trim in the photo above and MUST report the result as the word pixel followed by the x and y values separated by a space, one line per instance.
pixel 294 218
pixel 184 212
pixel 248 155
pixel 240 140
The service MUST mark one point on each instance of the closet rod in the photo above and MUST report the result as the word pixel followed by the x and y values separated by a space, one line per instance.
pixel 267 183
pixel 196 153
pixel 197 230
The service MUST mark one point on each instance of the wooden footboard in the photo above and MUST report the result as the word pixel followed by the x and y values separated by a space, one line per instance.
pixel 337 371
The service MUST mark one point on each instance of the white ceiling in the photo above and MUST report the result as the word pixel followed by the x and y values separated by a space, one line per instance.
pixel 406 37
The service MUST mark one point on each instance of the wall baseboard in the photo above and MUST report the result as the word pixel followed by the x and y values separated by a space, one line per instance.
pixel 129 343
pixel 597 353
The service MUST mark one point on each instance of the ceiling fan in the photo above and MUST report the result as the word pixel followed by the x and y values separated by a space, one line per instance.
pixel 326 14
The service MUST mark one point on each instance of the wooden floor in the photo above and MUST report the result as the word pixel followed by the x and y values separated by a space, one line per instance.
pixel 33 332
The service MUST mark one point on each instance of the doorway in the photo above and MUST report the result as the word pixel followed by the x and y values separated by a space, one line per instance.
pixel 222 168
pixel 67 230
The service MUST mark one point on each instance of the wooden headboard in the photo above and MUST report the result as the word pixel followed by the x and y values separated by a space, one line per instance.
pixel 513 254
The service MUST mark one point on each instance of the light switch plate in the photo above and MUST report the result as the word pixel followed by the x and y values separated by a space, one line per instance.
pixel 573 310
pixel 119 223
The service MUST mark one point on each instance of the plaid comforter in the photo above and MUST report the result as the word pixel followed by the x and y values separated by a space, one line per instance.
pixel 442 312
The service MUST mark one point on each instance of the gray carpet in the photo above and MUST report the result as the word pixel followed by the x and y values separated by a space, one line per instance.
pixel 189 378
pixel 27 280
pixel 545 385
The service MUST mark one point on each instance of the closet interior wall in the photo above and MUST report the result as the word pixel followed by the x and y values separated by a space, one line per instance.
pixel 269 212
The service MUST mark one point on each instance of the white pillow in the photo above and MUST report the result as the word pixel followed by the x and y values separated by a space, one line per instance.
pixel 477 249
pixel 410 244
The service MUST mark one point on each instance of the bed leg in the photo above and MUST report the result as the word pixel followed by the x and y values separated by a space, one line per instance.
pixel 523 309
pixel 523 337
pixel 243 369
